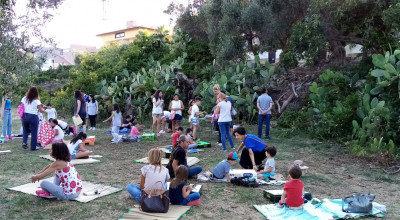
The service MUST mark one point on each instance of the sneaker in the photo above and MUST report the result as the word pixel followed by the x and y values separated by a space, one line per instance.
pixel 158 134
pixel 162 132
pixel 233 148
pixel 94 128
pixel 5 138
pixel 25 146
pixel 10 137
pixel 222 150
pixel 39 146
pixel 220 144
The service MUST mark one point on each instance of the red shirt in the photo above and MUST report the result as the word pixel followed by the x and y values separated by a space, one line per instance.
pixel 175 138
pixel 294 196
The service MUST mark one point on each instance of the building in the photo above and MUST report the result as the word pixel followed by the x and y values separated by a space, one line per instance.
pixel 125 36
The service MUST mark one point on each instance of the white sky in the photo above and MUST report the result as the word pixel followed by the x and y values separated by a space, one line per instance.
pixel 79 21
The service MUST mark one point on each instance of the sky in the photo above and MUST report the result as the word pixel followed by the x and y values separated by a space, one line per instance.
pixel 79 21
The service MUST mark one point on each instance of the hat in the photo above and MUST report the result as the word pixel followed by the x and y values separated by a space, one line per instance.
pixel 232 156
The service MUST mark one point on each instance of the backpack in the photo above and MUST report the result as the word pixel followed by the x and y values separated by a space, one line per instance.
pixel 245 181
pixel 21 110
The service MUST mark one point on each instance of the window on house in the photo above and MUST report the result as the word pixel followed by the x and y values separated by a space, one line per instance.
pixel 120 35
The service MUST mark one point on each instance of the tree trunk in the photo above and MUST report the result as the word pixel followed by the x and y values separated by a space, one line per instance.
pixel 337 47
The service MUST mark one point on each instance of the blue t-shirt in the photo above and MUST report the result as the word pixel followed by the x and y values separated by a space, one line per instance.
pixel 175 195
pixel 8 103
pixel 221 169
pixel 230 99
pixel 254 143
pixel 265 101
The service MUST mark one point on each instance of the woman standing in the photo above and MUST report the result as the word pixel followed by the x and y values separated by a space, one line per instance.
pixel 176 106
pixel 6 117
pixel 80 110
pixel 158 104
pixel 225 119
pixel 217 91
pixel 92 110
pixel 30 119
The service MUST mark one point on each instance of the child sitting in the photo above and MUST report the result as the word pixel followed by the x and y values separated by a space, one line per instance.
pixel 76 147
pixel 269 169
pixel 222 169
pixel 293 190
pixel 67 182
pixel 135 132
pixel 192 144
pixel 58 132
pixel 176 135
pixel 179 192
pixel 153 176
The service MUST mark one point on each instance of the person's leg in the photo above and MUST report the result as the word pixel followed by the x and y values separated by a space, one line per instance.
pixel 9 125
pixel 154 123
pixel 259 157
pixel 53 189
pixel 94 120
pixel 173 126
pixel 193 171
pixel 228 134
pixel 33 126
pixel 191 197
pixel 222 128
pixel 135 191
pixel 195 128
pixel 115 133
pixel 4 124
pixel 193 145
pixel 260 125
pixel 219 131
pixel 91 120
pixel 82 154
pixel 268 120
pixel 245 160
pixel 83 124
pixel 26 130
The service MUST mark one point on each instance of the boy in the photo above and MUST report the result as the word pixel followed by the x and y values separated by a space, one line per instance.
pixel 223 168
pixel 269 169
pixel 51 112
pixel 264 105
pixel 195 116
pixel 176 135
pixel 293 190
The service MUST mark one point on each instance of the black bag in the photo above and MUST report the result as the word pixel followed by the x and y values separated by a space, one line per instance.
pixel 245 181
pixel 358 203
pixel 155 200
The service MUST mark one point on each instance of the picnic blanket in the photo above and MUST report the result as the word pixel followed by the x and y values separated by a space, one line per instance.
pixel 76 161
pixel 87 194
pixel 175 212
pixel 328 209
pixel 190 161
pixel 206 176
pixel 46 133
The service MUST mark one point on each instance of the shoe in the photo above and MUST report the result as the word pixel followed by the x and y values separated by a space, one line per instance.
pixel 94 128
pixel 270 178
pixel 42 193
pixel 194 203
pixel 5 138
pixel 267 138
pixel 217 142
pixel 222 150
pixel 158 134
pixel 233 148
pixel 220 144
pixel 162 132
pixel 25 146
pixel 39 147
pixel 10 137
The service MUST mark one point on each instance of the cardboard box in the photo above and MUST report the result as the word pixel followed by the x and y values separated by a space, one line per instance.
pixel 243 173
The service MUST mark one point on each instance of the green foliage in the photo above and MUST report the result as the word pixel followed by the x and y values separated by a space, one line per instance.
pixel 61 73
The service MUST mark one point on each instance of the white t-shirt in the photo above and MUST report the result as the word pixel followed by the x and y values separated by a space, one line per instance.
pixel 62 124
pixel 31 108
pixel 176 104
pixel 60 135
pixel 92 108
pixel 152 175
pixel 224 111
pixel 166 114
pixel 74 148
pixel 51 113
pixel 195 109
pixel 157 109
pixel 270 163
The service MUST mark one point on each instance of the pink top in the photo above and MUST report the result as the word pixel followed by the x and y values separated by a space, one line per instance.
pixel 70 180
pixel 134 131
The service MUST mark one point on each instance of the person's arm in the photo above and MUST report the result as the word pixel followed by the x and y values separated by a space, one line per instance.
pixel 186 190
pixel 170 107
pixel 41 109
pixel 55 132
pixel 78 107
pixel 112 114
pixel 251 154
pixel 174 164
pixel 155 102
pixel 97 108
pixel 3 104
pixel 270 107
pixel 57 165
pixel 228 177
pixel 240 147
pixel 259 107
pixel 190 110
pixel 182 106
pixel 55 113
pixel 269 170
pixel 142 180
pixel 217 109
pixel 122 121
pixel 44 169
pixel 283 197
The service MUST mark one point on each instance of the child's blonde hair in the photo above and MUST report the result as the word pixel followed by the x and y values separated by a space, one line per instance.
pixel 222 97
pixel 154 157
pixel 216 87
pixel 181 176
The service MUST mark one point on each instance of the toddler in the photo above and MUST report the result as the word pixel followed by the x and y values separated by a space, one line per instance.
pixel 269 169
pixel 293 190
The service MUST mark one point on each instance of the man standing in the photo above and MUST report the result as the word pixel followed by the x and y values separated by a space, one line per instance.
pixel 264 105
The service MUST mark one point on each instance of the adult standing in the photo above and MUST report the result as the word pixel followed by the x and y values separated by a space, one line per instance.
pixel 158 105
pixel 176 106
pixel 80 110
pixel 217 91
pixel 6 117
pixel 178 157
pixel 230 99
pixel 254 152
pixel 86 97
pixel 30 119
pixel 225 119
pixel 92 111
pixel 264 105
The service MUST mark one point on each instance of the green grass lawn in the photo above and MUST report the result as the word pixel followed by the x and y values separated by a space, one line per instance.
pixel 332 174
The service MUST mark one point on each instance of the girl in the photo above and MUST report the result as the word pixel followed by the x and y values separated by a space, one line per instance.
pixel 6 117
pixel 116 123
pixel 58 132
pixel 153 176
pixel 225 119
pixel 77 148
pixel 92 111
pixel 80 109
pixel 191 102
pixel 179 192
pixel 135 132
pixel 30 119
pixel 176 106
pixel 158 105
pixel 67 182
pixel 217 91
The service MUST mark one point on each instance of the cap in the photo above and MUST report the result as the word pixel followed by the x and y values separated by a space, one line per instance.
pixel 233 156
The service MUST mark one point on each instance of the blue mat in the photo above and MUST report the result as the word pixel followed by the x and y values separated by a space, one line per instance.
pixel 120 132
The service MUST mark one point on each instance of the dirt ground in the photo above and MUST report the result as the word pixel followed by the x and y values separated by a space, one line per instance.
pixel 332 174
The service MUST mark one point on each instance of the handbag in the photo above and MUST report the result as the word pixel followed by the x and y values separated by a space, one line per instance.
pixel 172 116
pixel 155 200
pixel 77 120
pixel 21 110
pixel 358 203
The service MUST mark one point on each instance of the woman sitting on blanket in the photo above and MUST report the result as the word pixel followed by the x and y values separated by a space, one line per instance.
pixel 77 148
pixel 67 182
pixel 153 176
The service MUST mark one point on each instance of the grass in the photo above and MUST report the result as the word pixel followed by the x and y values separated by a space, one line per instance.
pixel 332 174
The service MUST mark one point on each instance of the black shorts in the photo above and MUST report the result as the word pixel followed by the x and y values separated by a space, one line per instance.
pixel 178 117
